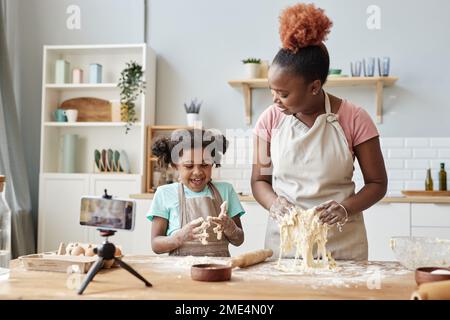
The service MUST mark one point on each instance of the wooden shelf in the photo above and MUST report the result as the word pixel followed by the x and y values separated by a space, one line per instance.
pixel 88 124
pixel 379 82
pixel 77 86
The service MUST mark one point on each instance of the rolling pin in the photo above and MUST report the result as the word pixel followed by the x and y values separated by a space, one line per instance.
pixel 250 258
pixel 438 290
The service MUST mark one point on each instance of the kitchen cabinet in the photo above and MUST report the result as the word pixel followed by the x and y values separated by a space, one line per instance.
pixel 59 210
pixel 434 232
pixel 383 221
pixel 430 215
pixel 59 205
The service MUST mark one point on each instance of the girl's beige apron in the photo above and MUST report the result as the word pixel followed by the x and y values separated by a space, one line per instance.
pixel 311 166
pixel 193 208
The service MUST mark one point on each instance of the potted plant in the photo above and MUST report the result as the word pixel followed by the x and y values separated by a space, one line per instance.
pixel 192 111
pixel 131 85
pixel 252 67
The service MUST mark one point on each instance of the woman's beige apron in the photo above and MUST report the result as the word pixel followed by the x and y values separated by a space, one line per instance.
pixel 193 208
pixel 311 166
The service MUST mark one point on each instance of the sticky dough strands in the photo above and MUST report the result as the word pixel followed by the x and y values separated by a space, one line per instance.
pixel 218 229
pixel 303 230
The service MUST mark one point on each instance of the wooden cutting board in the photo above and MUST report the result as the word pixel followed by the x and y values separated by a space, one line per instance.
pixel 90 109
pixel 422 193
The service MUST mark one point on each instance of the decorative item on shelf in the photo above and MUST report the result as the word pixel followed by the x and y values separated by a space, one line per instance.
pixel 111 161
pixel 89 109
pixel 264 69
pixel 60 115
pixel 369 67
pixel 252 67
pixel 384 66
pixel 131 84
pixel 429 181
pixel 95 73
pixel 77 75
pixel 336 73
pixel 69 152
pixel 116 111
pixel 442 178
pixel 355 68
pixel 192 112
pixel 62 69
pixel 71 115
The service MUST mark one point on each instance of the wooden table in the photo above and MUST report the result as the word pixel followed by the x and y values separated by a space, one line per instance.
pixel 170 277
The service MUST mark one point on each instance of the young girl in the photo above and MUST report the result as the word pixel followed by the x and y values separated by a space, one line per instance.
pixel 179 209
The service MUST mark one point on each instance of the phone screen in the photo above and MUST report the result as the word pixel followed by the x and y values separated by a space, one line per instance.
pixel 107 213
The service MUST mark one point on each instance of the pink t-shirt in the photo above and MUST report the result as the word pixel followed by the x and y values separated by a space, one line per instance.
pixel 355 121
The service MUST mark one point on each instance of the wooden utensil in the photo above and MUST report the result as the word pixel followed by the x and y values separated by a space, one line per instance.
pixel 222 272
pixel 90 109
pixel 250 258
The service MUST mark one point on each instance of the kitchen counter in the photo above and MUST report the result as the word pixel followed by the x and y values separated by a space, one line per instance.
pixel 170 277
pixel 399 199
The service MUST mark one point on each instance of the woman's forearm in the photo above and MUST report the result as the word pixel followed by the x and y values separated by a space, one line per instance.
pixel 263 193
pixel 370 194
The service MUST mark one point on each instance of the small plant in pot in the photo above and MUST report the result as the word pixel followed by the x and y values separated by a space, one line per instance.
pixel 131 85
pixel 252 67
pixel 192 111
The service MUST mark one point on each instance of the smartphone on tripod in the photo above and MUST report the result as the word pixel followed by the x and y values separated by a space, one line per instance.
pixel 108 214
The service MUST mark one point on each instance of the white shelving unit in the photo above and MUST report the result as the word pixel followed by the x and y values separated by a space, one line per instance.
pixel 60 193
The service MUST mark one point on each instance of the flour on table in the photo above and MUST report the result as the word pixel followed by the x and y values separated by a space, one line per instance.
pixel 302 230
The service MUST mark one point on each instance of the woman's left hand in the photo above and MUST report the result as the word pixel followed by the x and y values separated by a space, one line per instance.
pixel 332 212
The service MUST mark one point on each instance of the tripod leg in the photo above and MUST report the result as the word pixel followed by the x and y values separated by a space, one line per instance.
pixel 132 271
pixel 91 274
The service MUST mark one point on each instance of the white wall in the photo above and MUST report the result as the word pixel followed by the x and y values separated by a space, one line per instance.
pixel 200 46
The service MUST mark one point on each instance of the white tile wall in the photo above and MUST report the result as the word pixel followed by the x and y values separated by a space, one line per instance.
pixel 406 160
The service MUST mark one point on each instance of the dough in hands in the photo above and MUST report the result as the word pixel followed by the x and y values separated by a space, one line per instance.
pixel 303 230
pixel 218 229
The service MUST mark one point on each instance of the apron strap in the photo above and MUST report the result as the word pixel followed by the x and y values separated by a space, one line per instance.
pixel 327 103
pixel 217 198
pixel 182 205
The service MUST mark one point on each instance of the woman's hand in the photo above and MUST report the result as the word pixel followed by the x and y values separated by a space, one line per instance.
pixel 332 213
pixel 279 208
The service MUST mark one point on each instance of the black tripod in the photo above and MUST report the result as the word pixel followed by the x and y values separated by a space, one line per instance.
pixel 106 251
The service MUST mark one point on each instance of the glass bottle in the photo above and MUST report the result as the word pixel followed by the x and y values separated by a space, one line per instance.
pixel 5 231
pixel 442 178
pixel 429 181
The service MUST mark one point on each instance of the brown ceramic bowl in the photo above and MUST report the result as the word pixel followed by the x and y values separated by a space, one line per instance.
pixel 211 272
pixel 424 275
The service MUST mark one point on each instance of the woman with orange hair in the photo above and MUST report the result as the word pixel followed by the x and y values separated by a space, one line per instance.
pixel 306 142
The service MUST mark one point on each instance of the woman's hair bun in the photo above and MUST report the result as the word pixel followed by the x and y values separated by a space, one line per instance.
pixel 303 25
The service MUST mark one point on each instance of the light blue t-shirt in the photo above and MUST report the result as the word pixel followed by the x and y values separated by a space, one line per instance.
pixel 165 203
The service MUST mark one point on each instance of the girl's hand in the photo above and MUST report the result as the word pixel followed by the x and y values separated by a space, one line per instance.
pixel 332 213
pixel 280 207
pixel 227 224
pixel 190 231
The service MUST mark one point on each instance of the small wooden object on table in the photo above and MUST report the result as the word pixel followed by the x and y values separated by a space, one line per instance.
pixel 152 133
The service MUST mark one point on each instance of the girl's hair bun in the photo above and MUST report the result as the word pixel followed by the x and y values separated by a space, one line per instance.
pixel 303 25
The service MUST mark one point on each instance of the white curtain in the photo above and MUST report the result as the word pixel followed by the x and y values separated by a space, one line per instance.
pixel 12 159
